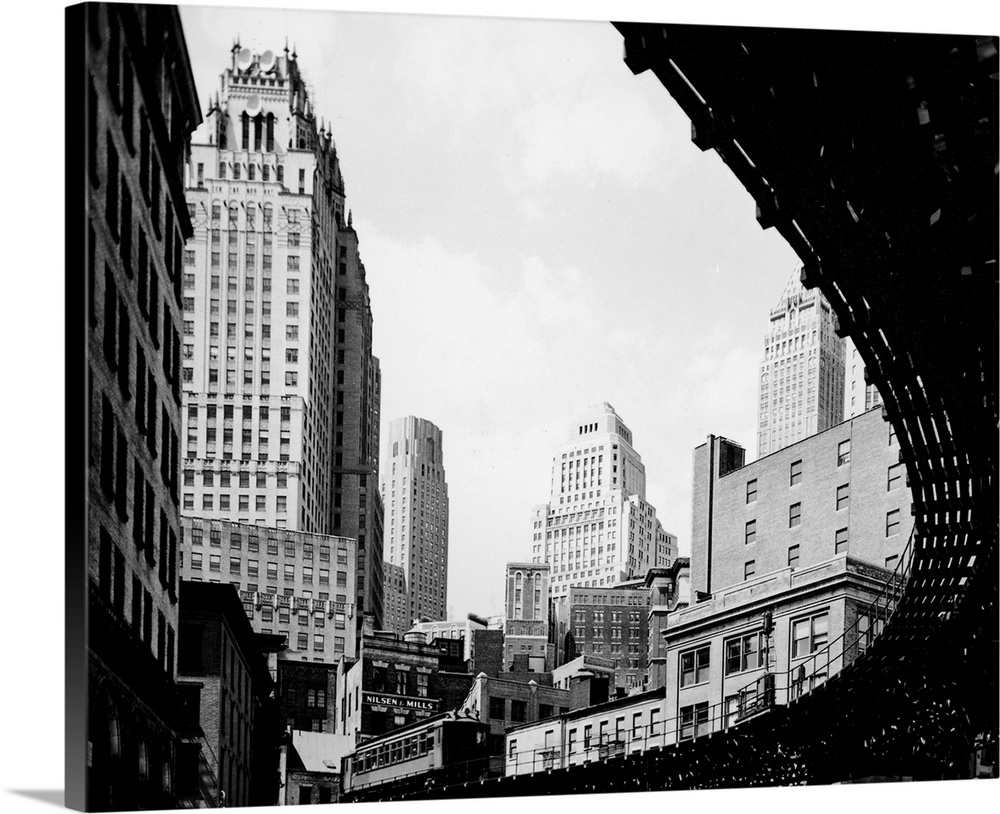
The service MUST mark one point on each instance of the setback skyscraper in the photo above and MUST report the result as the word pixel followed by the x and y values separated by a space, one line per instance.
pixel 597 528
pixel 415 493
pixel 801 389
pixel 281 391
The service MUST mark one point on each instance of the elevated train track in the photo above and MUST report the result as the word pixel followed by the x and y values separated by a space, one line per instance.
pixel 875 156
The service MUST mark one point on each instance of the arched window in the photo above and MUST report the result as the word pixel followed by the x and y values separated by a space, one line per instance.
pixel 270 133
pixel 234 211
pixel 258 126
pixel 245 120
pixel 114 730
pixel 142 758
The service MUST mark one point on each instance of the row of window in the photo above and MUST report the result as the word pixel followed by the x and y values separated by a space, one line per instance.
pixel 235 541
pixel 747 651
pixel 111 576
pixel 892 528
pixel 894 476
pixel 307 574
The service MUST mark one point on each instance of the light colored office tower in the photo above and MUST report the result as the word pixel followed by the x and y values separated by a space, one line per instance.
pixel 801 389
pixel 281 391
pixel 597 528
pixel 415 495
pixel 858 397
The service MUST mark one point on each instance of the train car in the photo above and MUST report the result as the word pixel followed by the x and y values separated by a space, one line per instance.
pixel 441 751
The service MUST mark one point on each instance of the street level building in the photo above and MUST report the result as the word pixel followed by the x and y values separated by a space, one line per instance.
pixel 503 702
pixel 281 391
pixel 392 684
pixel 308 694
pixel 415 495
pixel 795 563
pixel 769 640
pixel 801 388
pixel 628 725
pixel 597 528
pixel 526 626
pixel 311 767
pixel 129 64
pixel 229 756
pixel 291 583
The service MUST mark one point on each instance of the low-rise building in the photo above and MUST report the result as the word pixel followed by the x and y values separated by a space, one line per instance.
pixel 585 666
pixel 229 749
pixel 308 694
pixel 450 629
pixel 625 725
pixel 311 767
pixel 502 703
pixel 392 684
pixel 768 641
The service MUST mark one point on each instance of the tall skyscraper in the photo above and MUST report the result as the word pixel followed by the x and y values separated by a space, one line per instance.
pixel 801 388
pixel 130 65
pixel 281 391
pixel 597 528
pixel 859 397
pixel 415 493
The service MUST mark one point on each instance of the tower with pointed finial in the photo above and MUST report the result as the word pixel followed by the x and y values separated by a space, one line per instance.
pixel 801 385
pixel 281 389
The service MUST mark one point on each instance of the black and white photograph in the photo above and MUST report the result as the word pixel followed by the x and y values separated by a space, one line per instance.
pixel 464 404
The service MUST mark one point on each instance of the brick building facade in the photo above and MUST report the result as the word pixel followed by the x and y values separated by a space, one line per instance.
pixel 842 491
pixel 130 66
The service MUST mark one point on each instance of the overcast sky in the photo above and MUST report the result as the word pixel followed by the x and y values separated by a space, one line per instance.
pixel 539 234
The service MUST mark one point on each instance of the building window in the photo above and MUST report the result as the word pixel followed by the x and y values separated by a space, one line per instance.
pixel 840 542
pixel 751 532
pixel 751 490
pixel 694 666
pixel 744 653
pixel 794 515
pixel 793 556
pixel 843 496
pixel 844 452
pixel 518 711
pixel 694 721
pixel 892 523
pixel 895 477
pixel 795 473
pixel 809 634
pixel 890 562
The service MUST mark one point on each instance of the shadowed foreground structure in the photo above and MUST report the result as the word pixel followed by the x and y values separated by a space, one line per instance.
pixel 875 156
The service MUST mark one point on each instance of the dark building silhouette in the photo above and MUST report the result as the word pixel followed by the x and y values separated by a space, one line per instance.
pixel 129 64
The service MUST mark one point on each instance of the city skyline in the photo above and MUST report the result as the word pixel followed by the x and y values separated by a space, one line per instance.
pixel 484 280
pixel 510 135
